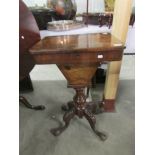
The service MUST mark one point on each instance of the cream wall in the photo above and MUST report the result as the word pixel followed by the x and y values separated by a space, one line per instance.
pixel 94 5
pixel 33 2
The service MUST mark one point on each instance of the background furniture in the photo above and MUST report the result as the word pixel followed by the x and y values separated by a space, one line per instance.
pixel 42 17
pixel 25 84
pixel 103 18
pixel 98 19
pixel 28 35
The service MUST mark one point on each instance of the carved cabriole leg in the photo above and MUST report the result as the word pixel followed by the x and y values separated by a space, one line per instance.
pixel 82 110
pixel 79 101
pixel 28 105
pixel 92 121
pixel 66 118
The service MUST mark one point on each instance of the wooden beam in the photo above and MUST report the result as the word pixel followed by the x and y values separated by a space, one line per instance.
pixel 122 12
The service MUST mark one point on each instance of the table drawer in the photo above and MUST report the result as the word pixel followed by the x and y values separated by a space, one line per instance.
pixel 78 57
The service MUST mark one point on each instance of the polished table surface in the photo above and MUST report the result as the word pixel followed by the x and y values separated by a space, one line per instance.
pixel 85 48
pixel 77 57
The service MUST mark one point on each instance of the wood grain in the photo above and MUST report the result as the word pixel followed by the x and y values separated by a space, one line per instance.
pixel 77 43
pixel 78 75
pixel 77 49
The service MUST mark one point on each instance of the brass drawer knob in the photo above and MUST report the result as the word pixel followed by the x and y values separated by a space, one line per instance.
pixel 100 56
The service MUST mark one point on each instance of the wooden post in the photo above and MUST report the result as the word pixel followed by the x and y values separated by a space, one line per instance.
pixel 122 12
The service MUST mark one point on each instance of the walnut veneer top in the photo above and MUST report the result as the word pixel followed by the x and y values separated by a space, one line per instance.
pixel 98 42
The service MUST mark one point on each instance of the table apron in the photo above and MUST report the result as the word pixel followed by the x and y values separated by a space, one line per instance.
pixel 78 57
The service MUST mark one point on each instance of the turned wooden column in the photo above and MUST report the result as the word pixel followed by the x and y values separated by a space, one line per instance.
pixel 79 101
pixel 122 12
pixel 78 77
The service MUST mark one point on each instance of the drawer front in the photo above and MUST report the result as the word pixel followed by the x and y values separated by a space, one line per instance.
pixel 80 58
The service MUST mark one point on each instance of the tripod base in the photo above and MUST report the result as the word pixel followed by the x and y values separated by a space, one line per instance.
pixel 79 77
pixel 81 111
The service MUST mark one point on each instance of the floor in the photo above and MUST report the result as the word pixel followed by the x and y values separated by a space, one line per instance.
pixel 78 139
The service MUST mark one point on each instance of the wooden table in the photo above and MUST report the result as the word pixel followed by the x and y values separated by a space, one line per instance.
pixel 77 57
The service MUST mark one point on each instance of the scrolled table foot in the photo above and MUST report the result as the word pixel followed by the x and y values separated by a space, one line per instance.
pixel 38 107
pixel 92 121
pixel 58 131
pixel 101 135
pixel 28 105
pixel 67 118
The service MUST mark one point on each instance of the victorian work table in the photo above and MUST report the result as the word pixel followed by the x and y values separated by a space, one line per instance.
pixel 77 57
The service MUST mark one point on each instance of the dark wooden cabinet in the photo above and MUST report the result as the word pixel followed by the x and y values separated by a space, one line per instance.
pixel 42 17
pixel 98 19
pixel 102 19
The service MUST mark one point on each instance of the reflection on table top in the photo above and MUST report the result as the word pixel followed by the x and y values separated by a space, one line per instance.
pixel 77 43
